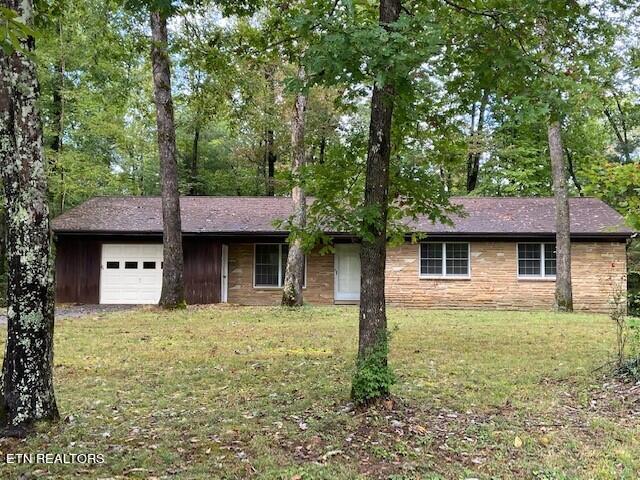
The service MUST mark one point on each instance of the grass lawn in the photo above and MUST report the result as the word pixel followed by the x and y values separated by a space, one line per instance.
pixel 235 392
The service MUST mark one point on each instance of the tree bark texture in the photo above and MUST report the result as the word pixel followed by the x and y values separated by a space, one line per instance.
pixel 564 296
pixel 172 295
pixel 294 274
pixel 373 319
pixel 3 248
pixel 27 373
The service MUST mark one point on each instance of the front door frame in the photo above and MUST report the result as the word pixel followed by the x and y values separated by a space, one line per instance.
pixel 341 249
pixel 224 274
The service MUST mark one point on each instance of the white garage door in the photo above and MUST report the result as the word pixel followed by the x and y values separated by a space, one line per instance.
pixel 131 273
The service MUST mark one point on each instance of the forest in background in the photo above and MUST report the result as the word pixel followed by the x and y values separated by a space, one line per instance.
pixel 464 128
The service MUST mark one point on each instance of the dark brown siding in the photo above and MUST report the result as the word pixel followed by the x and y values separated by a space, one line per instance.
pixel 202 263
pixel 77 270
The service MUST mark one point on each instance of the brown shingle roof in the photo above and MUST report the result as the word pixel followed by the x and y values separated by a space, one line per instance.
pixel 485 215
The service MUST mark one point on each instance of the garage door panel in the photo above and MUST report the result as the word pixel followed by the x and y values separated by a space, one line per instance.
pixel 128 281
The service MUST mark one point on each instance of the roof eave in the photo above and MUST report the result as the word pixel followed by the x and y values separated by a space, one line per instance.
pixel 612 236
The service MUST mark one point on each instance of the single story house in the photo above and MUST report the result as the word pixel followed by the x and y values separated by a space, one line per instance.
pixel 500 255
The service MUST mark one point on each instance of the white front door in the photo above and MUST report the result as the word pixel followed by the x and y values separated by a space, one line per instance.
pixel 224 281
pixel 347 272
pixel 131 273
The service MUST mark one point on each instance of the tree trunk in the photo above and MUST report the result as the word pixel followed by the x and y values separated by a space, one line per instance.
pixel 57 109
pixel 270 157
pixel 271 163
pixel 372 344
pixel 172 295
pixel 294 274
pixel 572 171
pixel 3 248
pixel 193 189
pixel 473 157
pixel 27 373
pixel 445 177
pixel 564 297
pixel 323 146
pixel 57 112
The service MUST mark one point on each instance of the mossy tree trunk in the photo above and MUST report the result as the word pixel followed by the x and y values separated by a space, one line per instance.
pixel 564 295
pixel 172 295
pixel 294 273
pixel 372 345
pixel 27 373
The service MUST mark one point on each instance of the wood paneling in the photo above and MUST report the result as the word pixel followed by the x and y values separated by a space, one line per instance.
pixel 77 270
pixel 202 270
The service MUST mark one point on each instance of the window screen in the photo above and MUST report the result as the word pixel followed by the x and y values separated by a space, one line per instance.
pixel 536 259
pixel 130 265
pixel 267 265
pixel 457 258
pixel 431 259
pixel 149 265
pixel 271 265
pixel 454 257
pixel 529 259
pixel 113 265
pixel 283 267
pixel 550 259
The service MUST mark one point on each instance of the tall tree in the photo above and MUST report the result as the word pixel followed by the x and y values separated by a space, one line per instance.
pixel 564 296
pixel 270 156
pixel 372 340
pixel 57 111
pixel 294 274
pixel 475 141
pixel 172 295
pixel 27 371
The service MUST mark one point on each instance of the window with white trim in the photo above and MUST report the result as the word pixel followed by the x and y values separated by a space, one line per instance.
pixel 537 260
pixel 270 265
pixel 444 259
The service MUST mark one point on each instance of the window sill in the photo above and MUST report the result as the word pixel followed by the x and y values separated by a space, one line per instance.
pixel 536 279
pixel 265 287
pixel 444 277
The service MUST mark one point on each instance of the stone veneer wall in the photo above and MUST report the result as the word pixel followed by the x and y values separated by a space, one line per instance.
pixel 319 289
pixel 494 282
pixel 596 266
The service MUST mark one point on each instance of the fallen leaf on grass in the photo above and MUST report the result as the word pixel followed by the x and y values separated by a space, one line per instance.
pixel 517 442
pixel 136 470
pixel 418 429
pixel 330 453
